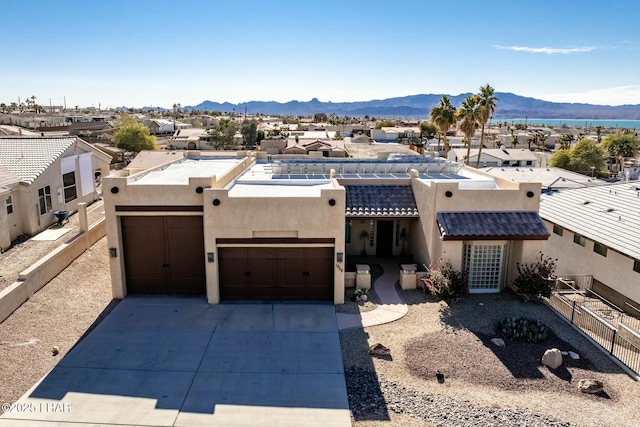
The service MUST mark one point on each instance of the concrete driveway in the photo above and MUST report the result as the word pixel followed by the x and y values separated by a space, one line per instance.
pixel 171 361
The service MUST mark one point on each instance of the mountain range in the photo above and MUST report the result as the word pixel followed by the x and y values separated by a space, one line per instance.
pixel 510 106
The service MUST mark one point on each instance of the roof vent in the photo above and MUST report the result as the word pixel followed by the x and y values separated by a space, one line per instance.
pixel 586 202
pixel 609 210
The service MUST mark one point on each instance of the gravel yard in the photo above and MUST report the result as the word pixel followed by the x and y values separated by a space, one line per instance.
pixel 482 385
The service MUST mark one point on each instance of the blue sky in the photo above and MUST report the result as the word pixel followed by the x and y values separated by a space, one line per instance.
pixel 157 53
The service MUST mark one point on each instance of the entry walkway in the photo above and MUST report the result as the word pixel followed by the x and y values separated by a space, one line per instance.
pixel 391 306
pixel 171 361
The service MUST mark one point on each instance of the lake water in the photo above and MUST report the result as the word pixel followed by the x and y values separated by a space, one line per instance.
pixel 585 123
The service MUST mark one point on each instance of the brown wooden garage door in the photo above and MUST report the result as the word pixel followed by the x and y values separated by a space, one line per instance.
pixel 276 274
pixel 163 254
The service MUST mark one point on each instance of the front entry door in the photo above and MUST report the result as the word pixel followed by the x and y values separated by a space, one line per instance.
pixel 384 240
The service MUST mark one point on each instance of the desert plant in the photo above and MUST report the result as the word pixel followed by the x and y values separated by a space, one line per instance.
pixel 445 283
pixel 523 329
pixel 536 278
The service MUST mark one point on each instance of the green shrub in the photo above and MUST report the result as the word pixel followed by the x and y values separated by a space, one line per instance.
pixel 523 329
pixel 536 278
pixel 445 283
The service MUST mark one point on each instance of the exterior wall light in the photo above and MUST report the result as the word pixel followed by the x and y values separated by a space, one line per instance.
pixel 530 194
pixel 339 256
pixel 448 193
pixel 114 190
pixel 113 253
pixel 216 202
pixel 332 202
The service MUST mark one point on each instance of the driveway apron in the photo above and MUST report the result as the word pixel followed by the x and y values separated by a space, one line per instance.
pixel 172 361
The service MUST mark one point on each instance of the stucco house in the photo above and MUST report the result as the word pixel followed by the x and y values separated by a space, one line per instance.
pixel 595 231
pixel 507 157
pixel 42 175
pixel 240 226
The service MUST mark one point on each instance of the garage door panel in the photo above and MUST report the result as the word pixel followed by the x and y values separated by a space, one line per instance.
pixel 232 269
pixel 287 274
pixel 163 254
pixel 143 247
pixel 185 255
pixel 320 266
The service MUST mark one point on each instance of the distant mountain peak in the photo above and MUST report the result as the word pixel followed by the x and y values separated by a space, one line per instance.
pixel 418 106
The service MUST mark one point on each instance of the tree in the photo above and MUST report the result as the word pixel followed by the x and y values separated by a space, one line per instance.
pixel 3 108
pixel 620 145
pixel 488 104
pixel 223 133
pixel 135 137
pixel 249 132
pixel 468 116
pixel 586 155
pixel 565 141
pixel 428 130
pixel 385 124
pixel 443 116
pixel 560 159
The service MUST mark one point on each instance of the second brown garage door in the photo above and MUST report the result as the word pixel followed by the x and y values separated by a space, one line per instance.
pixel 276 274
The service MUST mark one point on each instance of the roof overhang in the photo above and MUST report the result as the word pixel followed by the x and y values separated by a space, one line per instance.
pixel 499 225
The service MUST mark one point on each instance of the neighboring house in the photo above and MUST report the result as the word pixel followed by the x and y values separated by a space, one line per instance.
pixel 190 139
pixel 91 132
pixel 53 174
pixel 551 179
pixel 496 157
pixel 160 126
pixel 241 227
pixel 384 135
pixel 300 147
pixel 596 231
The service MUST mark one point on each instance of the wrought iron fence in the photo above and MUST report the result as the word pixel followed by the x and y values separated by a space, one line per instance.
pixel 620 340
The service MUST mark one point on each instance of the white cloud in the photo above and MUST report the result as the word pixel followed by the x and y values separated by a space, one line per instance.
pixel 619 95
pixel 547 50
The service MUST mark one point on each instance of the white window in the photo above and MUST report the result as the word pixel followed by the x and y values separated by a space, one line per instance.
pixel 9 204
pixel 44 198
pixel 485 266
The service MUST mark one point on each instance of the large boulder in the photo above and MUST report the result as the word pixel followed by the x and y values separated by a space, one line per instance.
pixel 590 386
pixel 552 358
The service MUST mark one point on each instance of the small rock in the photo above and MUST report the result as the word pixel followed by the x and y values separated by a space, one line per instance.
pixel 481 304
pixel 498 342
pixel 440 376
pixel 378 350
pixel 590 386
pixel 574 356
pixel 55 350
pixel 564 353
pixel 552 358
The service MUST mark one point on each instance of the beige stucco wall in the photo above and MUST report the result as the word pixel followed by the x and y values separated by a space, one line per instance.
pixel 430 196
pixel 615 270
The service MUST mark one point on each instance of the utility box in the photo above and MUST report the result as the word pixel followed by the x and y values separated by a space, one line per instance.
pixel 363 276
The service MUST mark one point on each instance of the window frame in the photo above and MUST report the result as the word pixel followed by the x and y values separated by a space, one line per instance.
pixel 9 205
pixel 579 239
pixel 600 249
pixel 558 229
pixel 44 200
pixel 70 191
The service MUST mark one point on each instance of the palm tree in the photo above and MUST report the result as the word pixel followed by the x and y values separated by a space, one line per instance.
pixel 443 116
pixel 469 116
pixel 488 102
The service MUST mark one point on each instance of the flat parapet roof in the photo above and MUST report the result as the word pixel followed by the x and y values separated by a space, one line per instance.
pixel 178 173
